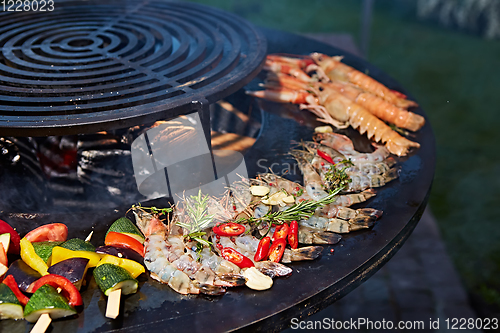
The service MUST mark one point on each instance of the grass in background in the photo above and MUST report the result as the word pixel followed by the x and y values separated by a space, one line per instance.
pixel 455 78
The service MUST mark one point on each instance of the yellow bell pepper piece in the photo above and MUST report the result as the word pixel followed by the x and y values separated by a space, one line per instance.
pixel 29 256
pixel 60 254
pixel 134 268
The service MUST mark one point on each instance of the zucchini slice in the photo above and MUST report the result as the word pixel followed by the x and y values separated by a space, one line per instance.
pixel 125 226
pixel 77 244
pixel 110 277
pixel 44 249
pixel 10 308
pixel 47 300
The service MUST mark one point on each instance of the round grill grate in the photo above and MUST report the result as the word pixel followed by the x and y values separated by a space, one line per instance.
pixel 100 65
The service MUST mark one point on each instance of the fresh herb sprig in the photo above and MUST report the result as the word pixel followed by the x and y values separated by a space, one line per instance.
pixel 300 211
pixel 154 210
pixel 196 207
pixel 399 130
pixel 336 178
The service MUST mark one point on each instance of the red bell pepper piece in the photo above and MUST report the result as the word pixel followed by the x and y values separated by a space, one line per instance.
pixel 122 240
pixel 262 249
pixel 12 284
pixel 293 235
pixel 277 249
pixel 236 258
pixel 229 229
pixel 14 247
pixel 58 281
pixel 281 231
pixel 54 232
pixel 325 156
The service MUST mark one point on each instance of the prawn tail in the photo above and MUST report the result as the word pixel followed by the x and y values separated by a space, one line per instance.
pixel 375 128
pixel 405 103
pixel 390 112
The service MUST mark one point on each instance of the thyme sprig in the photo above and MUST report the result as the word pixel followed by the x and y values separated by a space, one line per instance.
pixel 196 207
pixel 154 210
pixel 336 178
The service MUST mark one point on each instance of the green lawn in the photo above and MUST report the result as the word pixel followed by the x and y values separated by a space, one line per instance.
pixel 454 76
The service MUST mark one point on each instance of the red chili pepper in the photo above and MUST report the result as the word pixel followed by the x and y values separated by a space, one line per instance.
pixel 12 284
pixel 58 281
pixel 325 156
pixel 281 231
pixel 229 229
pixel 262 249
pixel 219 246
pixel 236 258
pixel 122 240
pixel 277 249
pixel 293 234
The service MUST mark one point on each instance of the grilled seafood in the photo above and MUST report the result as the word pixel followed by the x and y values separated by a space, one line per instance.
pixel 167 260
pixel 374 104
pixel 333 108
pixel 156 253
pixel 335 69
pixel 343 105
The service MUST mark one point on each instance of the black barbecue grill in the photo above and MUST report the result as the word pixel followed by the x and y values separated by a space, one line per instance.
pixel 109 65
pixel 100 65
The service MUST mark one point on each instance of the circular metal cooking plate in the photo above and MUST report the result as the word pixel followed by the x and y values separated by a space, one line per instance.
pixel 91 66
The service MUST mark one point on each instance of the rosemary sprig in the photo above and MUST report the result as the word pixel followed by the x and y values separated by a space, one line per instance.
pixel 197 209
pixel 338 177
pixel 300 211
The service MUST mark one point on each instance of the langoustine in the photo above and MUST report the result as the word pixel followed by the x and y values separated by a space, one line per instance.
pixel 373 103
pixel 340 106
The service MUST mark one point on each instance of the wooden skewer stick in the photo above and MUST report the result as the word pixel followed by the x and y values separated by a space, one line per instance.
pixel 113 306
pixel 42 324
pixel 89 236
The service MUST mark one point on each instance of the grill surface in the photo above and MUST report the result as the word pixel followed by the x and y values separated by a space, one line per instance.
pixel 100 65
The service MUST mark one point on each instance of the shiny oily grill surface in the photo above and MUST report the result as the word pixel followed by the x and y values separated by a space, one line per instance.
pixel 99 65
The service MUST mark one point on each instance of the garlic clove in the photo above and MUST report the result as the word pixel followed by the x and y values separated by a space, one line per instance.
pixel 256 280
pixel 259 191
pixel 323 129
pixel 289 199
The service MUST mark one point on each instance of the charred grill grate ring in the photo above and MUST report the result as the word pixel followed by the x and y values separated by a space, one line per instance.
pixel 92 66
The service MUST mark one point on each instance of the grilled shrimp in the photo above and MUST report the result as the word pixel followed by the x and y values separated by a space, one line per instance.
pixel 345 200
pixel 375 104
pixel 336 70
pixel 359 181
pixel 301 253
pixel 345 221
pixel 344 145
pixel 308 235
pixel 336 107
pixel 157 252
pixel 333 108
pixel 247 245
pixel 166 255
